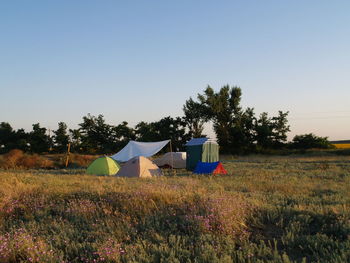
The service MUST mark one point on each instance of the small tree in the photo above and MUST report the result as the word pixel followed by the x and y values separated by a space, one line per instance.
pixel 38 139
pixel 264 131
pixel 61 137
pixel 280 129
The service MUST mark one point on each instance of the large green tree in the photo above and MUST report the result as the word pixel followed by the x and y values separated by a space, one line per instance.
pixel 223 108
pixel 238 130
pixel 96 135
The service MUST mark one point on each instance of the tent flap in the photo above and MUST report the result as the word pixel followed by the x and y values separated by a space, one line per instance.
pixel 134 149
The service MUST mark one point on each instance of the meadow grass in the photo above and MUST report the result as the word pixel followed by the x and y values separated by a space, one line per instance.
pixel 268 209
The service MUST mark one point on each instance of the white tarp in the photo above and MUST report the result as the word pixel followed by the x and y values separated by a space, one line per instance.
pixel 133 149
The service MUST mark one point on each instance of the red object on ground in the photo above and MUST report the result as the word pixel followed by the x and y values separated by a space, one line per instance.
pixel 220 169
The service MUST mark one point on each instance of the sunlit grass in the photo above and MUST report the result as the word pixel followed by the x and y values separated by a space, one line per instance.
pixel 342 145
pixel 268 209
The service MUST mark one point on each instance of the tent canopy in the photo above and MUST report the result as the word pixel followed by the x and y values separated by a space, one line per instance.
pixel 134 149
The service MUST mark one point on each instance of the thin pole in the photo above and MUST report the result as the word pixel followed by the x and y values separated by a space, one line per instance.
pixel 68 152
pixel 50 148
pixel 172 158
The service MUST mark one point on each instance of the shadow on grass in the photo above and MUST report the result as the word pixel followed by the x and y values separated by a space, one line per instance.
pixel 318 237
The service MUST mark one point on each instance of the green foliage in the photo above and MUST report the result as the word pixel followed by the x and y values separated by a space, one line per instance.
pixel 280 128
pixel 124 134
pixel 61 138
pixel 195 117
pixel 164 129
pixel 38 140
pixel 238 130
pixel 95 135
pixel 224 110
pixel 308 141
pixel 10 139
pixel 271 132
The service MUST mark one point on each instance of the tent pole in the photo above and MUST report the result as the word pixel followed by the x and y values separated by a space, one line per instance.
pixel 172 158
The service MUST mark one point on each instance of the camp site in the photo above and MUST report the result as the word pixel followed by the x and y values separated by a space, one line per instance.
pixel 174 131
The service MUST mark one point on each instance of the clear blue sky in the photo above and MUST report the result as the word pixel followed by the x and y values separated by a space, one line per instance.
pixel 140 60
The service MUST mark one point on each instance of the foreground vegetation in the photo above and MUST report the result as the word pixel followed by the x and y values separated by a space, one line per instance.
pixel 277 209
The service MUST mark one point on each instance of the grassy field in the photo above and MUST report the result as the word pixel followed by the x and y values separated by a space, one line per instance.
pixel 268 209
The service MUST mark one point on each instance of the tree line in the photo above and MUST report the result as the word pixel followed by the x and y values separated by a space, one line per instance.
pixel 237 130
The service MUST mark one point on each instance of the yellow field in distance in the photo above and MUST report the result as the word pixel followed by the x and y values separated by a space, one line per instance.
pixel 342 145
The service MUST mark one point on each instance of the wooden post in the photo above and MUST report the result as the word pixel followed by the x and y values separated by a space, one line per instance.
pixel 68 153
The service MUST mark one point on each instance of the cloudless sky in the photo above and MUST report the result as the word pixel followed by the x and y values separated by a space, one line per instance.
pixel 141 60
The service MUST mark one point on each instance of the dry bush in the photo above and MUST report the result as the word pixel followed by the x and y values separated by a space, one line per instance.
pixel 17 159
pixel 35 161
pixel 81 160
pixel 11 159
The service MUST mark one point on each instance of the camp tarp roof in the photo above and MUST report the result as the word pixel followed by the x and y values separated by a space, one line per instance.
pixel 199 141
pixel 134 149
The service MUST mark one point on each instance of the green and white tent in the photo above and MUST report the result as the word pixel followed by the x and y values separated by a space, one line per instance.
pixel 201 149
pixel 103 166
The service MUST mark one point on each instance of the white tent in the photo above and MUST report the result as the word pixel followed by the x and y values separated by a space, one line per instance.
pixel 134 149
pixel 172 159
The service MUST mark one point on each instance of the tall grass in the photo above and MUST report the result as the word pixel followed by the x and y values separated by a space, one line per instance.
pixel 274 209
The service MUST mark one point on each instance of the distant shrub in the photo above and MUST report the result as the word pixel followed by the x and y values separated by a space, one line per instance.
pixel 309 141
